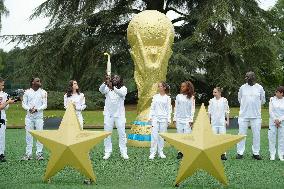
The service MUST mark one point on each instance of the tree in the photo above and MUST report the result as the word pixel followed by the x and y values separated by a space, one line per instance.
pixel 216 43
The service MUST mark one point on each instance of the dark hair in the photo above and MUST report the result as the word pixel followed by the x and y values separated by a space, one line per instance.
pixel 280 89
pixel 69 90
pixel 166 86
pixel 219 89
pixel 1 79
pixel 190 91
pixel 31 81
pixel 119 83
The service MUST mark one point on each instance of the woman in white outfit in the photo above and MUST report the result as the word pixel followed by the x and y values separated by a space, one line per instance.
pixel 276 124
pixel 74 96
pixel 160 117
pixel 184 110
pixel 219 111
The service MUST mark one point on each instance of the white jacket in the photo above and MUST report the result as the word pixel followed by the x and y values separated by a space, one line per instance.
pixel 114 102
pixel 35 99
pixel 276 109
pixel 161 108
pixel 217 110
pixel 3 99
pixel 184 109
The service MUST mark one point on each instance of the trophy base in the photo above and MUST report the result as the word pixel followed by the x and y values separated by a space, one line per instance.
pixel 140 134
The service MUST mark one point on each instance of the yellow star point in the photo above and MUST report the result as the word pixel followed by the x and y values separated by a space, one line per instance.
pixel 69 145
pixel 202 149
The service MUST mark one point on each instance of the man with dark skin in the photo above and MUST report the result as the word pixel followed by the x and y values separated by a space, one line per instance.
pixel 34 102
pixel 114 113
pixel 251 96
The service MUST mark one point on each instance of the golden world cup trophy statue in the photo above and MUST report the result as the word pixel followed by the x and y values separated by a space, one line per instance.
pixel 150 35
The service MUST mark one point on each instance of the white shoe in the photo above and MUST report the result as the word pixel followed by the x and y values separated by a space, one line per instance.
pixel 272 158
pixel 124 156
pixel 152 156
pixel 107 155
pixel 281 158
pixel 162 155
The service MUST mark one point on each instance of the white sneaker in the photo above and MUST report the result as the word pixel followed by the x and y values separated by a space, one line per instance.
pixel 107 155
pixel 152 156
pixel 124 156
pixel 281 158
pixel 272 158
pixel 162 155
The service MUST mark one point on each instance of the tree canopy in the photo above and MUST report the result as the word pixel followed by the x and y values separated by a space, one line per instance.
pixel 216 42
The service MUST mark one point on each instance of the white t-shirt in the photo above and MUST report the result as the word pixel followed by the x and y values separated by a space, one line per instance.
pixel 217 109
pixel 161 108
pixel 276 109
pixel 184 109
pixel 3 99
pixel 35 99
pixel 251 98
pixel 114 102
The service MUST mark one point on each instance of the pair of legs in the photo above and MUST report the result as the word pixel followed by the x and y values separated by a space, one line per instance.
pixel 2 142
pixel 119 122
pixel 182 127
pixel 220 130
pixel 255 124
pixel 272 135
pixel 157 142
pixel 80 119
pixel 33 124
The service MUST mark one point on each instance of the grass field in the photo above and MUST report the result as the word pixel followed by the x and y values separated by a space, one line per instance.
pixel 16 115
pixel 138 171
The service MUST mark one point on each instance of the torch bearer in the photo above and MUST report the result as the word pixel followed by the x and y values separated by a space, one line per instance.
pixel 108 71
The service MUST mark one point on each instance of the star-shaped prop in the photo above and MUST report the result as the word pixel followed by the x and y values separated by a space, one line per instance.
pixel 69 145
pixel 201 149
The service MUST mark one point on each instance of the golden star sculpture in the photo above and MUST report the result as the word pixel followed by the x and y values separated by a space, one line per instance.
pixel 201 149
pixel 69 145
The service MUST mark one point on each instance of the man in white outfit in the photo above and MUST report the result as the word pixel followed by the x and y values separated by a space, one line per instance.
pixel 251 96
pixel 4 104
pixel 114 113
pixel 34 102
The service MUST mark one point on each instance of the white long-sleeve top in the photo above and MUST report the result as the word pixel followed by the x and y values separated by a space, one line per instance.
pixel 161 108
pixel 35 99
pixel 251 98
pixel 3 99
pixel 276 109
pixel 217 109
pixel 114 102
pixel 78 100
pixel 184 109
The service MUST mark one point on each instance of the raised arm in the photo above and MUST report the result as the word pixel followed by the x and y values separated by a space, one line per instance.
pixel 121 92
pixel 104 89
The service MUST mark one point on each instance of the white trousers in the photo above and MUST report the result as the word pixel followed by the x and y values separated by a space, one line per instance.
pixel 272 135
pixel 255 124
pixel 2 139
pixel 33 124
pixel 80 118
pixel 157 142
pixel 219 129
pixel 119 122
pixel 183 127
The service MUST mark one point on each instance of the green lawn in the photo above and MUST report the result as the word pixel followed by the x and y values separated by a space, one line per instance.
pixel 138 171
pixel 16 115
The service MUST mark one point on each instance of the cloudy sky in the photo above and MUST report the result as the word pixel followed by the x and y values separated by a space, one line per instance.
pixel 17 22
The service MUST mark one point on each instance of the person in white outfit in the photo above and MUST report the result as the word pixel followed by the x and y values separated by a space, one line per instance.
pixel 276 124
pixel 4 105
pixel 74 96
pixel 251 96
pixel 114 113
pixel 184 110
pixel 219 111
pixel 160 117
pixel 34 102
